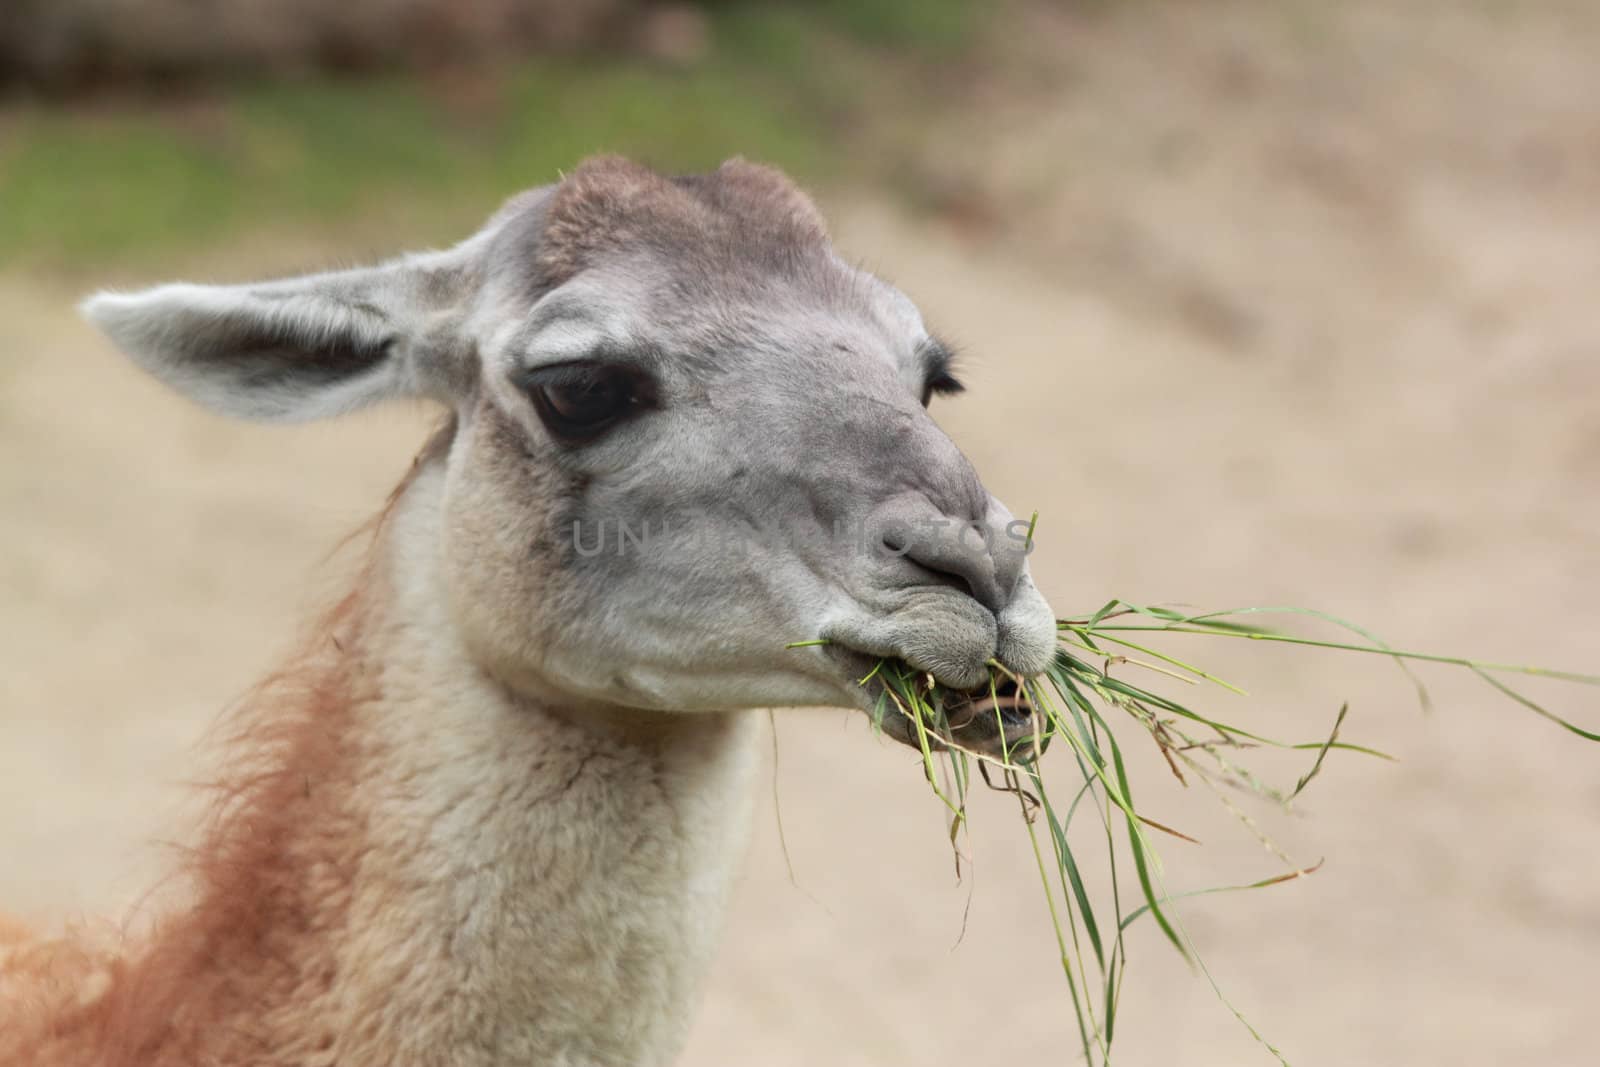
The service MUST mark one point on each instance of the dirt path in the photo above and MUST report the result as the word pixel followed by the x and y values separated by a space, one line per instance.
pixel 1296 307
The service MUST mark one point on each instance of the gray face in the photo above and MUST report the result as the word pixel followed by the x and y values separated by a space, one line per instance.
pixel 687 434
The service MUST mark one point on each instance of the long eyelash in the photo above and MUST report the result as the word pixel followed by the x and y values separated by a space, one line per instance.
pixel 942 380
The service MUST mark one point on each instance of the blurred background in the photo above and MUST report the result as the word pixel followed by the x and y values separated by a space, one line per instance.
pixel 1263 301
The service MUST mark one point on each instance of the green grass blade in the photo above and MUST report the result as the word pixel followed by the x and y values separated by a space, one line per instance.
pixel 1074 877
pixel 1531 705
pixel 1322 753
pixel 1163 657
pixel 1277 879
pixel 1142 863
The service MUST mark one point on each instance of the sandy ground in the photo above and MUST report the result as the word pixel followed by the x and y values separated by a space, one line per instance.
pixel 1269 305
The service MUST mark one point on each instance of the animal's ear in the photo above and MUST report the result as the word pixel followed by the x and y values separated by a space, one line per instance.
pixel 302 348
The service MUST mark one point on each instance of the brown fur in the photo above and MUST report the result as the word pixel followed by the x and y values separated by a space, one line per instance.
pixel 607 203
pixel 739 211
pixel 268 880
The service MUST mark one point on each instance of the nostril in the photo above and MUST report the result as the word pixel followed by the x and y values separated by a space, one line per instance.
pixel 939 551
pixel 962 571
pixel 899 544
pixel 959 582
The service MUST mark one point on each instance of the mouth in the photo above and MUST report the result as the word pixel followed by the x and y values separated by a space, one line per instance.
pixel 996 721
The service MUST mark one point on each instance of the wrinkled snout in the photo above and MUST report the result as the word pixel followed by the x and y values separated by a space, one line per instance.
pixel 918 561
pixel 951 590
pixel 959 597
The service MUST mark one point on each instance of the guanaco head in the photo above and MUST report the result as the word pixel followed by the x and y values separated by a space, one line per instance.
pixel 687 434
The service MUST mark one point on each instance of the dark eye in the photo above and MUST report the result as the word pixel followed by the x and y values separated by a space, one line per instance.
pixel 942 384
pixel 938 362
pixel 580 401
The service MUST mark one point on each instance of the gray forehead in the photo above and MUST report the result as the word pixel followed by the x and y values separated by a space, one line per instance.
pixel 643 303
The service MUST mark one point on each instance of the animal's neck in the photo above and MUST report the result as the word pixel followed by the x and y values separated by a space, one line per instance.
pixel 432 869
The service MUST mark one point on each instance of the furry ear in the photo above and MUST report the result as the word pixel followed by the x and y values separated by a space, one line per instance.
pixel 302 348
pixel 777 202
pixel 608 203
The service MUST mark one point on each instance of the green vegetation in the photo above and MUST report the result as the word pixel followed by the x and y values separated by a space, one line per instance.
pixel 935 25
pixel 1084 704
pixel 95 185
pixel 78 185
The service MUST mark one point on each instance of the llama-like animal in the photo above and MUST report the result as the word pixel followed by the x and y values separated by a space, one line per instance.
pixel 491 815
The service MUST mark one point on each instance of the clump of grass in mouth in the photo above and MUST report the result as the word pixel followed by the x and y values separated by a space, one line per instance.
pixel 1074 704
